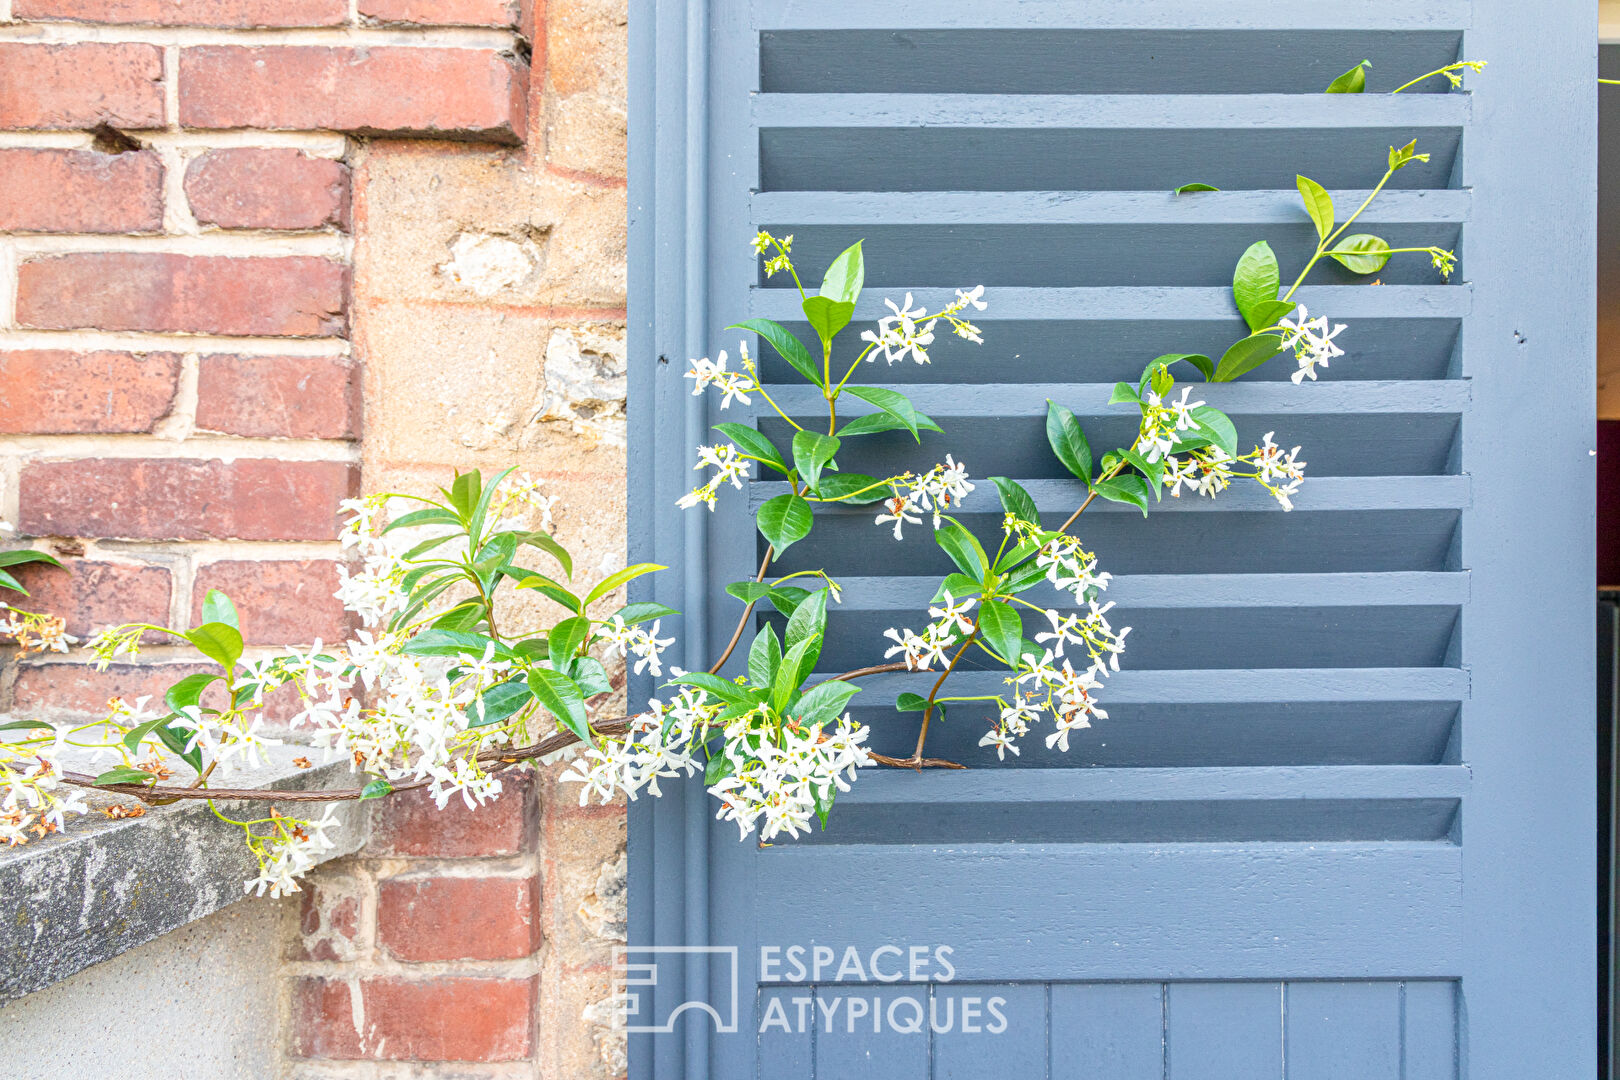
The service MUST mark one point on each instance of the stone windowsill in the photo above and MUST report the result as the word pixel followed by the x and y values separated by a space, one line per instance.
pixel 102 886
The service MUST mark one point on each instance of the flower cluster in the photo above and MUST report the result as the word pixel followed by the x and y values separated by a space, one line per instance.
pixel 35 631
pixel 732 385
pixel 35 800
pixel 730 467
pixel 642 642
pixel 287 848
pixel 934 492
pixel 764 241
pixel 1311 341
pixel 908 331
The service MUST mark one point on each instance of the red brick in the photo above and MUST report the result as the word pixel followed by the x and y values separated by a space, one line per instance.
pixel 410 824
pixel 458 918
pixel 291 397
pixel 60 392
pixel 328 925
pixel 268 189
pixel 446 1018
pixel 399 91
pixel 80 191
pixel 164 499
pixel 297 296
pixel 500 13
pixel 80 86
pixel 94 595
pixel 77 690
pixel 232 13
pixel 280 601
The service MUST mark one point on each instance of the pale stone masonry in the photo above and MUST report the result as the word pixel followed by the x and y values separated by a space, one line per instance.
pixel 243 277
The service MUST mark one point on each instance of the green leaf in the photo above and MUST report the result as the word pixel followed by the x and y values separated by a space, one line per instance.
pixel 1124 393
pixel 591 676
pixel 963 548
pixel 432 515
pixel 1125 488
pixel 498 702
pixel 824 702
pixel 892 402
pixel 464 616
pixel 824 794
pixel 1217 427
pixel 1001 626
pixel 631 614
pixel 1318 204
pixel 219 642
pixel 176 738
pixel 1023 579
pixel 1016 501
pixel 827 316
pixel 1353 81
pixel 960 586
pixel 1068 440
pixel 123 774
pixel 188 691
pixel 845 275
pixel 787 598
pixel 1205 366
pixel 843 486
pixel 786 345
pixel 24 725
pixel 1255 280
pixel 749 592
pixel 464 492
pixel 719 767
pixel 808 623
pixel 1367 253
pixel 1185 189
pixel 1152 470
pixel 753 444
pixel 724 689
pixel 784 521
pixel 811 452
pixel 619 577
pixel 1266 313
pixel 475 526
pixel 873 423
pixel 909 702
pixel 561 697
pixel 545 543
pixel 22 555
pixel 797 664
pixel 550 588
pixel 1247 355
pixel 566 638
pixel 764 657
pixel 9 582
pixel 452 643
pixel 1400 159
pixel 376 789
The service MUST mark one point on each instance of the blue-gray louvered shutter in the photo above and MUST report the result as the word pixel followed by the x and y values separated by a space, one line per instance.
pixel 1339 820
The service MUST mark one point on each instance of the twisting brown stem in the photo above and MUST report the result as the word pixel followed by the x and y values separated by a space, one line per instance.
pixel 928 711
pixel 736 635
pixel 862 672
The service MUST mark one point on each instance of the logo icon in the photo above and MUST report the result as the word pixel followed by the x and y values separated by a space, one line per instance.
pixel 643 969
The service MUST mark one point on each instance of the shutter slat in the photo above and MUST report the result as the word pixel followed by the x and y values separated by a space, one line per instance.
pixel 781 210
pixel 1245 685
pixel 1109 14
pixel 1155 112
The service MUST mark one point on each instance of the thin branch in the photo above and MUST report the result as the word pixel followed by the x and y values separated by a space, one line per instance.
pixel 736 635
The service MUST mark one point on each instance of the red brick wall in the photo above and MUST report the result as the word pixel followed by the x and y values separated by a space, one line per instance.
pixel 191 295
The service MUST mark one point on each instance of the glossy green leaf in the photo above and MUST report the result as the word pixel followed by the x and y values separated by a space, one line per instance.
pixel 566 638
pixel 123 774
pixel 1266 314
pixel 719 767
pixel 591 676
pixel 724 689
pixel 177 739
pixel 857 489
pixel 786 345
pixel 1125 488
pixel 544 542
pixel 189 691
pixel 475 526
pixel 559 696
pixel 909 702
pixel 1124 394
pixel 827 316
pixel 808 623
pixel 7 581
pixel 464 492
pixel 796 664
pixel 845 275
pixel 547 587
pixel 620 577
pixel 1205 366
pixel 1186 189
pixel 25 725
pixel 1001 627
pixel 631 614
pixel 452 643
pixel 432 515
pixel 753 444
pixel 1016 501
pixel 498 703
pixel 1353 81
pixel 1361 253
pixel 960 586
pixel 1255 280
pixel 1318 204
pixel 1217 427
pixel 784 521
pixel 218 641
pixel 811 453
pixel 764 657
pixel 963 548
pixel 874 423
pixel 376 789
pixel 1068 441
pixel 133 737
pixel 1246 355
pixel 892 402
pixel 749 591
pixel 824 702
pixel 787 598
pixel 1153 471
